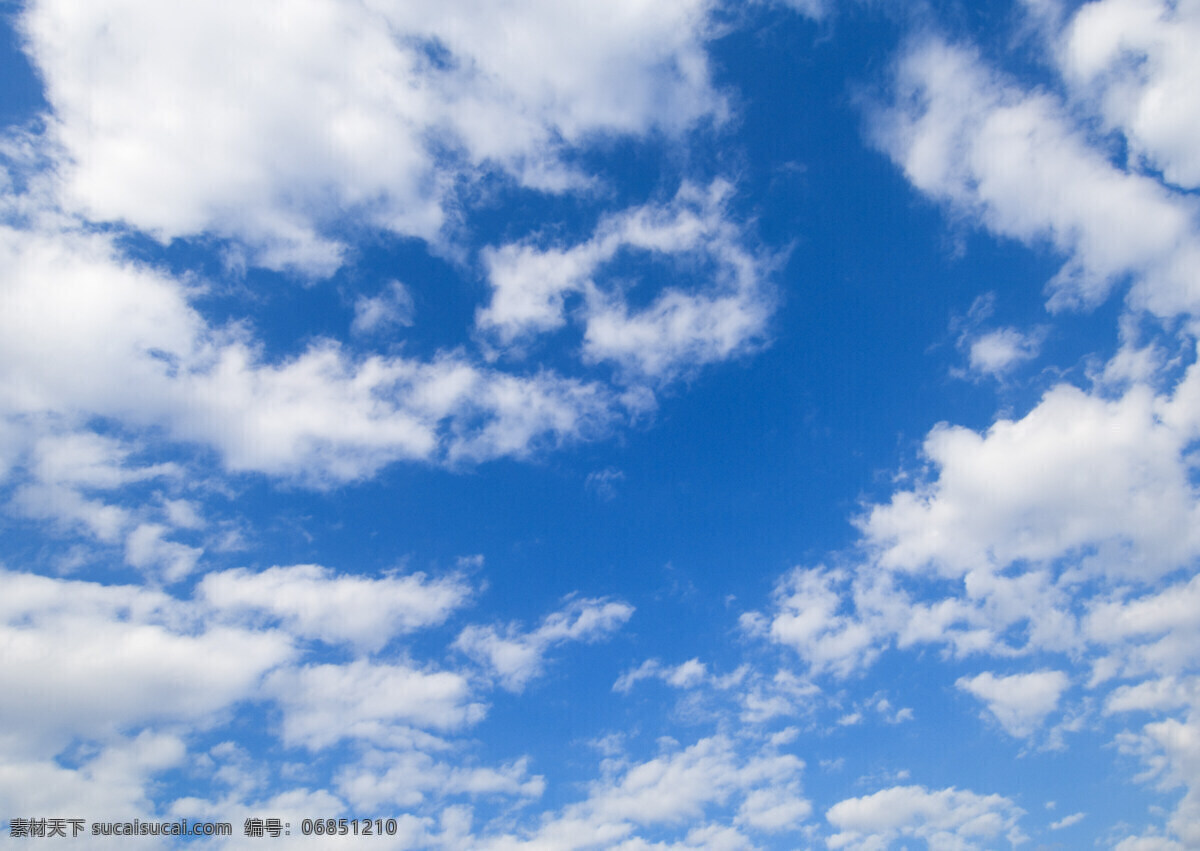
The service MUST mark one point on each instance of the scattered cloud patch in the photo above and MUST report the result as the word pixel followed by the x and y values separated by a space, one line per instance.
pixel 373 111
pixel 1079 474
pixel 1067 821
pixel 722 315
pixel 515 657
pixel 949 818
pixel 171 665
pixel 685 675
pixel 1015 162
pixel 391 308
pixel 811 618
pixel 996 352
pixel 1019 702
pixel 325 703
pixel 1132 59
pixel 604 482
pixel 311 601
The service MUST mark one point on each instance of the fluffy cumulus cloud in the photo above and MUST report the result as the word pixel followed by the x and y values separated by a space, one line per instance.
pixel 1177 743
pixel 1051 580
pixel 1135 59
pixel 72 476
pixel 117 339
pixel 1063 533
pixel 322 118
pixel 679 789
pixel 323 109
pixel 844 627
pixel 946 818
pixel 811 615
pixel 1018 702
pixel 313 602
pixel 996 352
pixel 717 793
pixel 169 663
pixel 1108 479
pixel 408 778
pixel 1070 524
pixel 325 703
pixel 322 122
pixel 137 674
pixel 114 779
pixel 1147 634
pixel 1016 162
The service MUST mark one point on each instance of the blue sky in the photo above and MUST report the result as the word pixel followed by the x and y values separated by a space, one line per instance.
pixel 564 425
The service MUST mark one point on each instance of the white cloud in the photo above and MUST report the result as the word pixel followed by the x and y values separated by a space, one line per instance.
pixel 687 674
pixel 515 657
pixel 722 316
pixel 684 675
pixel 677 789
pixel 289 806
pixel 325 109
pixel 1148 843
pixel 748 696
pixel 1053 532
pixel 183 514
pixel 1154 695
pixel 373 314
pixel 1098 480
pixel 70 509
pixel 115 339
pixel 1067 821
pixel 993 352
pixel 1015 162
pixel 948 818
pixel 840 625
pixel 677 786
pixel 1155 633
pixel 810 618
pixel 763 698
pixel 104 658
pixel 325 703
pixel 106 332
pixel 1171 751
pixel 124 669
pixel 78 480
pixel 1136 58
pixel 407 779
pixel 996 352
pixel 286 142
pixel 884 707
pixel 112 780
pixel 147 549
pixel 89 460
pixel 315 602
pixel 774 809
pixel 1019 702
pixel 1104 480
